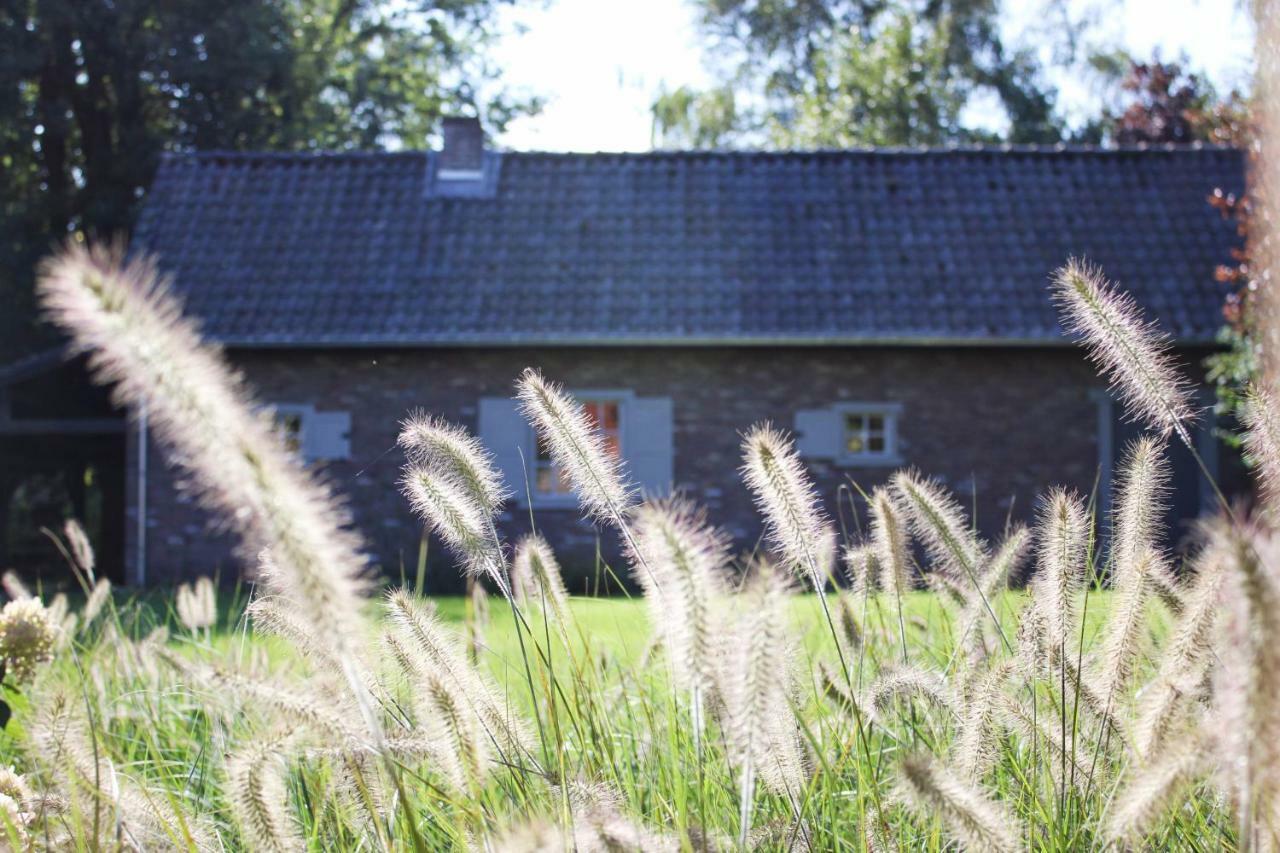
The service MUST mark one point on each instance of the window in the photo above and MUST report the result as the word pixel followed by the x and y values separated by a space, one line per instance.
pixel 604 415
pixel 869 434
pixel 289 424
pixel 312 435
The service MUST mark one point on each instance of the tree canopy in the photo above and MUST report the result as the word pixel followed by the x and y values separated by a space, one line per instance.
pixel 827 73
pixel 93 91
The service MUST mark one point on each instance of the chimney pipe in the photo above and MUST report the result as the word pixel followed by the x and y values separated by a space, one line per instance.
pixel 463 145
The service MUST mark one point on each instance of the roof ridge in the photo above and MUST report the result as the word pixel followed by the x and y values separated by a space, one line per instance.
pixel 885 151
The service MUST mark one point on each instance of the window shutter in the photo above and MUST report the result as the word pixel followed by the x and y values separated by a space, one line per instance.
pixel 326 435
pixel 505 434
pixel 818 433
pixel 648 444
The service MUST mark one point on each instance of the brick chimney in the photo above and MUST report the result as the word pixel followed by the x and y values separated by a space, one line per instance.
pixel 463 150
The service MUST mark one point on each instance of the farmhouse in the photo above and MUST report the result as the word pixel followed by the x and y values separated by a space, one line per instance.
pixel 888 306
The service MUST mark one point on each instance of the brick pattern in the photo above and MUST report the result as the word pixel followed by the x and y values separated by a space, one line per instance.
pixel 996 425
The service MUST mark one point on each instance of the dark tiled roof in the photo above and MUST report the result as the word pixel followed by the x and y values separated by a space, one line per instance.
pixel 854 246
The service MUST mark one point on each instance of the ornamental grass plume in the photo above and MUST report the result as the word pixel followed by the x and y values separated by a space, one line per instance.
pixel 536 577
pixel 124 316
pixel 1260 415
pixel 13 585
pixel 1186 653
pixel 1062 561
pixel 96 601
pixel 1246 704
pixel 889 541
pixel 1142 489
pixel 862 568
pixel 197 604
pixel 785 496
pixel 976 747
pixel 453 453
pixel 1153 788
pixel 1126 627
pixel 577 448
pixel 936 519
pixel 433 650
pixel 975 615
pixel 688 560
pixel 81 551
pixel 449 510
pixel 969 815
pixel 27 638
pixel 259 795
pixel 756 684
pixel 1129 350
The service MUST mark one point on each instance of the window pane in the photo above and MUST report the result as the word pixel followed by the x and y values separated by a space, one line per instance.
pixel 592 411
pixel 875 444
pixel 612 444
pixel 875 422
pixel 854 423
pixel 854 444
pixel 544 480
pixel 610 415
pixel 543 452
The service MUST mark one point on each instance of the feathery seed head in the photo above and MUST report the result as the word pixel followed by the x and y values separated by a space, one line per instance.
pixel 78 544
pixel 535 575
pixel 686 560
pixel 969 814
pixel 197 604
pixel 27 637
pixel 13 585
pixel 1261 417
pixel 96 601
pixel 453 453
pixel 259 796
pixel 1129 350
pixel 786 498
pixel 889 541
pixel 862 567
pixel 124 315
pixel 1141 490
pixel 456 518
pixel 756 683
pixel 1063 530
pixel 936 519
pixel 577 447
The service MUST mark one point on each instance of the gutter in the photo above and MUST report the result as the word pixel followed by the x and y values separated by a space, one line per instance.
pixel 621 342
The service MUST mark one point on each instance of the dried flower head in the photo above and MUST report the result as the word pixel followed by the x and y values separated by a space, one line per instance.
pixel 787 499
pixel 27 637
pixel 1129 350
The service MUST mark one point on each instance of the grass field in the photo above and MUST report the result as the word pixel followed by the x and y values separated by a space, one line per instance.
pixel 166 711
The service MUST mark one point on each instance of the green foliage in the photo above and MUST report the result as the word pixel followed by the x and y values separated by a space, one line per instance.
pixel 92 93
pixel 827 73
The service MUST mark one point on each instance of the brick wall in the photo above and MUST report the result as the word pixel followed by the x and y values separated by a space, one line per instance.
pixel 997 425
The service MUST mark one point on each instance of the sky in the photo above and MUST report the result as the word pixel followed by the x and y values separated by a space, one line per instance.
pixel 601 63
